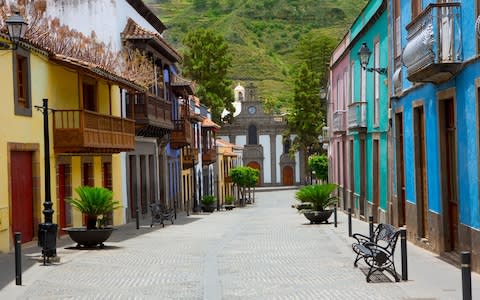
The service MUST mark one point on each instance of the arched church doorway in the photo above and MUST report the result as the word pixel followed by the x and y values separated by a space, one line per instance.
pixel 287 175
pixel 256 165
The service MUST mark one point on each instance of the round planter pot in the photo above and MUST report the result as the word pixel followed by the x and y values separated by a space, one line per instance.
pixel 89 238
pixel 208 208
pixel 317 217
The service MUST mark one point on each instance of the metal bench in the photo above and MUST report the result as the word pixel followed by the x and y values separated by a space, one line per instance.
pixel 378 252
pixel 160 214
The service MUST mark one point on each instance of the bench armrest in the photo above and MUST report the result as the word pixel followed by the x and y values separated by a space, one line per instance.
pixel 361 239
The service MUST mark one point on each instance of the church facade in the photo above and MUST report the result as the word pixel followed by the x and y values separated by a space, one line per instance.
pixel 260 134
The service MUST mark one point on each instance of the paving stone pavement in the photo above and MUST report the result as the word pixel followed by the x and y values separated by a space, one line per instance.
pixel 263 251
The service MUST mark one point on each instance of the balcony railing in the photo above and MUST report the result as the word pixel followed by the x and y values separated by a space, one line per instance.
pixel 209 156
pixel 152 116
pixel 357 116
pixel 83 131
pixel 434 49
pixel 181 134
pixel 190 157
pixel 339 121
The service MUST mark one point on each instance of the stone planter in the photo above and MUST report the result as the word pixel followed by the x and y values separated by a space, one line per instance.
pixel 317 217
pixel 90 237
pixel 208 208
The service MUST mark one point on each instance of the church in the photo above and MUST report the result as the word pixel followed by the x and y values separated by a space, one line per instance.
pixel 260 134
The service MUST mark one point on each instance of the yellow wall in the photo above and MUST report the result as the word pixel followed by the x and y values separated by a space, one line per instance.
pixel 60 85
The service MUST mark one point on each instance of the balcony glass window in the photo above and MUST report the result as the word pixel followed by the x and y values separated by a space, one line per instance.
pixel 21 70
pixel 376 90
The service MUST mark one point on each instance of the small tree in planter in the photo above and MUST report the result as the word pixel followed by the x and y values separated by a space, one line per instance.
pixel 244 177
pixel 319 164
pixel 318 196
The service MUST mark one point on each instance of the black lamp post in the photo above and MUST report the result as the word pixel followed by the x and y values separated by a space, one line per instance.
pixel 47 231
pixel 364 56
pixel 17 26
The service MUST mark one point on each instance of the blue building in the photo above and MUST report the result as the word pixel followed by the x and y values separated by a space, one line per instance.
pixel 435 91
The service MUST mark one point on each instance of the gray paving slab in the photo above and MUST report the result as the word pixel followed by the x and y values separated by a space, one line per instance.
pixel 263 251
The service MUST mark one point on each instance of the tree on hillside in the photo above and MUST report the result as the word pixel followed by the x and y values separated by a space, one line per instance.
pixel 206 61
pixel 315 49
pixel 305 115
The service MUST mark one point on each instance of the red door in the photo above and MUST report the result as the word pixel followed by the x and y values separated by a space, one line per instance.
pixel 255 165
pixel 287 175
pixel 22 193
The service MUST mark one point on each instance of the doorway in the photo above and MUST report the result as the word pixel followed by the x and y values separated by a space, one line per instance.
pixel 400 169
pixel 256 165
pixel 351 173
pixel 375 181
pixel 287 175
pixel 362 176
pixel 448 152
pixel 420 171
pixel 64 174
pixel 22 193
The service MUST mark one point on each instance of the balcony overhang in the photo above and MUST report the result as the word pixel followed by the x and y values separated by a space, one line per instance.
pixel 434 49
pixel 82 131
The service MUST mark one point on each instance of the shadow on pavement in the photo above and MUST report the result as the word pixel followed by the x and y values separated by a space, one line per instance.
pixel 31 252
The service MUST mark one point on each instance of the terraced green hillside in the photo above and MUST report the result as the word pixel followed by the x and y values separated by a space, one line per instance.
pixel 262 34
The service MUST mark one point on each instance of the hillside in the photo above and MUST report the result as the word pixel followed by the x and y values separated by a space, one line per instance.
pixel 262 34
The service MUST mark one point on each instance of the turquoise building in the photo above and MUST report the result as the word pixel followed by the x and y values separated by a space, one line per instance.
pixel 359 97
pixel 435 98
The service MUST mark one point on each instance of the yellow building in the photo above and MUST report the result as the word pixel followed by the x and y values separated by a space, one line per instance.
pixel 228 157
pixel 87 133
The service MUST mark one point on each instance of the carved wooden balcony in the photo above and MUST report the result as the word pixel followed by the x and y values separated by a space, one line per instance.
pixel 357 116
pixel 209 156
pixel 83 131
pixel 434 43
pixel 339 122
pixel 153 116
pixel 189 157
pixel 181 135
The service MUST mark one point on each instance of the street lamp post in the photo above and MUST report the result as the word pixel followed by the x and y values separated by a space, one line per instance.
pixel 17 26
pixel 47 231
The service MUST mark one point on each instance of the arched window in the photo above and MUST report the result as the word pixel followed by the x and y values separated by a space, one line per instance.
pixel 240 96
pixel 286 146
pixel 252 135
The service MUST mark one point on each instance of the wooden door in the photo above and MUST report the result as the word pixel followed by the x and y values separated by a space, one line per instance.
pixel 64 192
pixel 351 174
pixel 420 172
pixel 22 193
pixel 376 181
pixel 287 175
pixel 362 176
pixel 449 172
pixel 256 165
pixel 400 169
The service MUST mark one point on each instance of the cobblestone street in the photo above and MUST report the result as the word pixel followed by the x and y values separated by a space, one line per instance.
pixel 264 251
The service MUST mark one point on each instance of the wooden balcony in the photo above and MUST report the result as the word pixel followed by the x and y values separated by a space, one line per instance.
pixel 339 122
pixel 189 157
pixel 209 156
pixel 83 131
pixel 181 134
pixel 434 43
pixel 357 116
pixel 227 179
pixel 153 116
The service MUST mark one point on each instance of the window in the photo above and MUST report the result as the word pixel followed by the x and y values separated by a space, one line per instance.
pixel 376 83
pixel 286 146
pixel 363 84
pixel 338 100
pixel 345 89
pixel 21 75
pixel 352 82
pixel 416 8
pixel 87 174
pixel 252 135
pixel 397 49
pixel 89 94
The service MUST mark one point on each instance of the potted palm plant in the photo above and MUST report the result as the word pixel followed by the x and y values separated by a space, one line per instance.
pixel 208 203
pixel 229 202
pixel 93 202
pixel 318 196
